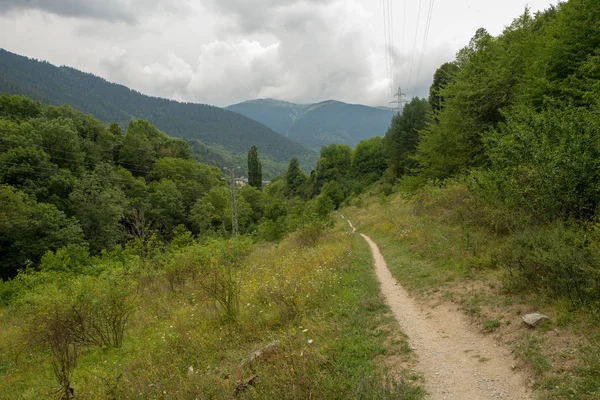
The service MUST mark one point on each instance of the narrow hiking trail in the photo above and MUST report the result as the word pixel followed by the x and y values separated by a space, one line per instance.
pixel 457 361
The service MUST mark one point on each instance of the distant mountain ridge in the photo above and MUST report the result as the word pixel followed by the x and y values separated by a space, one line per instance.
pixel 318 124
pixel 222 134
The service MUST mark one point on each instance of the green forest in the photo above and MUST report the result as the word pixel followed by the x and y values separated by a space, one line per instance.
pixel 218 136
pixel 73 183
pixel 98 227
pixel 128 272
pixel 514 121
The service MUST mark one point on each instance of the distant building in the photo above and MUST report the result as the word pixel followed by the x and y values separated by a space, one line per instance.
pixel 242 181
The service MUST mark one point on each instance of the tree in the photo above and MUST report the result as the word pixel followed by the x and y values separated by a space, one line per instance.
pixel 401 139
pixel 256 199
pixel 254 168
pixel 28 229
pixel 546 162
pixel 443 76
pixel 167 209
pixel 368 160
pixel 295 180
pixel 97 143
pixel 116 130
pixel 137 154
pixel 334 164
pixel 192 178
pixel 493 74
pixel 19 107
pixel 334 192
pixel 61 141
pixel 27 168
pixel 99 206
pixel 17 134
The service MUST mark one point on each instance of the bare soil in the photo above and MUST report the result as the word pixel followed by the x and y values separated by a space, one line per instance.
pixel 456 360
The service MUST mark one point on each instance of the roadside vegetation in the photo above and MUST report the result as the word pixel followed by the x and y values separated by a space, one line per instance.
pixel 490 197
pixel 123 276
pixel 185 321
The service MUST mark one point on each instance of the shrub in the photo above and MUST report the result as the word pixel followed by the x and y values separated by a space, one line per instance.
pixel 547 162
pixel 219 262
pixel 101 309
pixel 72 258
pixel 49 324
pixel 560 259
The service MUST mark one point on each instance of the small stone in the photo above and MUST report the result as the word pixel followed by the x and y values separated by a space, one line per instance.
pixel 534 319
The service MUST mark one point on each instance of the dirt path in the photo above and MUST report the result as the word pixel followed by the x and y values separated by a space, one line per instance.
pixel 458 362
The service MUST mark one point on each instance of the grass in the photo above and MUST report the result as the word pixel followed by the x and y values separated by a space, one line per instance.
pixel 435 249
pixel 491 325
pixel 321 304
pixel 530 350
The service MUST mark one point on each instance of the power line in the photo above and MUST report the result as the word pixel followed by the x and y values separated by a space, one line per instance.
pixel 403 30
pixel 425 37
pixel 386 41
pixel 109 152
pixel 389 43
pixel 124 164
pixel 71 160
pixel 414 44
pixel 392 60
pixel 41 168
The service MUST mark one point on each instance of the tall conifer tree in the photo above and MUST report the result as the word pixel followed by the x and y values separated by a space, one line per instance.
pixel 254 168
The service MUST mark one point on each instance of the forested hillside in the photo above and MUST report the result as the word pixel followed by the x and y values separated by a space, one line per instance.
pixel 222 134
pixel 514 121
pixel 320 124
pixel 122 274
pixel 73 184
pixel 490 198
pixel 503 157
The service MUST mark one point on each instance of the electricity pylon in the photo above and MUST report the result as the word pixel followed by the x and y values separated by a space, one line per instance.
pixel 234 213
pixel 399 101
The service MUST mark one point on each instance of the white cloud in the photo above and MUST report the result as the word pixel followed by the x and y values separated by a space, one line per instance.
pixel 225 51
pixel 127 11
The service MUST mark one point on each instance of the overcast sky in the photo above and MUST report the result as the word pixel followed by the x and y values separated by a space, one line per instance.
pixel 226 51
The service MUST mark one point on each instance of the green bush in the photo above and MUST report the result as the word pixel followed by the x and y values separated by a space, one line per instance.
pixel 546 162
pixel 101 308
pixel 48 323
pixel 272 231
pixel 73 258
pixel 218 272
pixel 562 260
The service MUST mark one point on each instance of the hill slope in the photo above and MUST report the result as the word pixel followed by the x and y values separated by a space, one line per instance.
pixel 214 127
pixel 315 125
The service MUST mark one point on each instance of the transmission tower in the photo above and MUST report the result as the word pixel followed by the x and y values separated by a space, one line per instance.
pixel 399 101
pixel 234 213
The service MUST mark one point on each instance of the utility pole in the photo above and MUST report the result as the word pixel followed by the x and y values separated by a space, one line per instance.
pixel 399 101
pixel 234 213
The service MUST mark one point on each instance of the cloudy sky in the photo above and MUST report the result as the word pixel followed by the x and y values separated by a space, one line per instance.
pixel 225 51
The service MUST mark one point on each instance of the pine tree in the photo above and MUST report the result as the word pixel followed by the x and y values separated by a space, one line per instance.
pixel 295 179
pixel 254 168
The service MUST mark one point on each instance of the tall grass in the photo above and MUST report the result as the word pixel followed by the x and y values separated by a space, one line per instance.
pixel 182 341
pixel 499 263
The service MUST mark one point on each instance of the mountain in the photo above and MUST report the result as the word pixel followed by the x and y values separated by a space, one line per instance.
pixel 315 125
pixel 220 136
